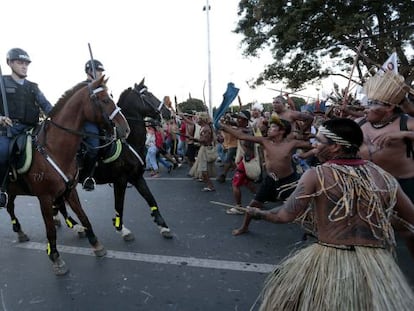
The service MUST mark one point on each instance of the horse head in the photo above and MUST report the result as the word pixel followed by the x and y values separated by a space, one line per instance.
pixel 110 113
pixel 151 100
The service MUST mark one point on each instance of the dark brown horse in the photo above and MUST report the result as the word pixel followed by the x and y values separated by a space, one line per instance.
pixel 53 173
pixel 136 103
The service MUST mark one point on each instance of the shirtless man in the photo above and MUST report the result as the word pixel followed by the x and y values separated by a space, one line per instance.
pixel 281 177
pixel 300 121
pixel 385 143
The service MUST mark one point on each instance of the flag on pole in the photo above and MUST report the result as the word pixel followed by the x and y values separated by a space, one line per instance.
pixel 228 98
pixel 390 64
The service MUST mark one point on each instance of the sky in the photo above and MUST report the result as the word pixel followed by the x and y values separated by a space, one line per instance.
pixel 163 41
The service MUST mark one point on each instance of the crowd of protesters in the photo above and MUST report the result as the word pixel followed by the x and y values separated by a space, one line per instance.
pixel 354 162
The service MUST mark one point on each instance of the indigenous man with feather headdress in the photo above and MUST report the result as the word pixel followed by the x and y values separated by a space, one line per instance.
pixel 347 204
pixel 388 132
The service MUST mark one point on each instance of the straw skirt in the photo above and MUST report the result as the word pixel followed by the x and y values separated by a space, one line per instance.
pixel 326 278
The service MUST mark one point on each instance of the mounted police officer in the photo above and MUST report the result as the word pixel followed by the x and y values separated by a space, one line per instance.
pixel 19 111
pixel 94 70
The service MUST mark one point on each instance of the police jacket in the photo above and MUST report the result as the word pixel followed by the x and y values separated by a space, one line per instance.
pixel 24 101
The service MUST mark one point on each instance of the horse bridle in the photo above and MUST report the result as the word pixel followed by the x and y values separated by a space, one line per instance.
pixel 95 100
pixel 143 99
pixel 41 149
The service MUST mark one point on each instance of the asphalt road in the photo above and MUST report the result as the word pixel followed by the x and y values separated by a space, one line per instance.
pixel 203 267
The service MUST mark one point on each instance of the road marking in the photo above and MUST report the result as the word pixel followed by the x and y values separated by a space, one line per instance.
pixel 170 260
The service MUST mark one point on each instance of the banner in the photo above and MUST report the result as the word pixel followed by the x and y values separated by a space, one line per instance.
pixel 390 64
pixel 228 98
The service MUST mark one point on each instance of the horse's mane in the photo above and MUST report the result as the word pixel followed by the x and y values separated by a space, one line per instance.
pixel 123 95
pixel 64 98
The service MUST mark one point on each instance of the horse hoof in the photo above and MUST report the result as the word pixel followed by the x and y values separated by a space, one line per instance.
pixel 80 230
pixel 22 237
pixel 166 233
pixel 59 267
pixel 126 234
pixel 99 250
pixel 128 237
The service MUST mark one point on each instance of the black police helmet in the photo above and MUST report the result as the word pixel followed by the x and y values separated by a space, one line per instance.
pixel 18 54
pixel 97 63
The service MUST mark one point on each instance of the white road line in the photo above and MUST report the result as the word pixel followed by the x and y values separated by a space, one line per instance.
pixel 171 260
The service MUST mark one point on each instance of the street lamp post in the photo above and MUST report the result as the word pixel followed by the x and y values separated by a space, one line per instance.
pixel 207 9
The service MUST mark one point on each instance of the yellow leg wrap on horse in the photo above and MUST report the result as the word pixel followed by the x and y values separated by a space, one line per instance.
pixel 154 208
pixel 117 221
pixel 69 223
pixel 14 221
pixel 48 250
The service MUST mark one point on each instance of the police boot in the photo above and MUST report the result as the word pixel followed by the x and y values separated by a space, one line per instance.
pixel 89 169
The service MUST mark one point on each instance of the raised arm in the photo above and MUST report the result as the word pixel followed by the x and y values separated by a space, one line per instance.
pixel 240 135
pixel 186 119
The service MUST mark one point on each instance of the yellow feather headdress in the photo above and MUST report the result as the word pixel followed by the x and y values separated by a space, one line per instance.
pixel 388 88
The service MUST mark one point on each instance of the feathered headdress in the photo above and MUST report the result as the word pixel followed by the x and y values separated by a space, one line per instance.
pixel 257 106
pixel 388 88
pixel 274 118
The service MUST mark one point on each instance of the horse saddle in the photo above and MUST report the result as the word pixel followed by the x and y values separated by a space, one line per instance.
pixel 21 153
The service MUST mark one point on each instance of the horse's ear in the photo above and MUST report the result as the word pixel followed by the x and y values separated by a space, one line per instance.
pixel 142 81
pixel 101 79
pixel 106 80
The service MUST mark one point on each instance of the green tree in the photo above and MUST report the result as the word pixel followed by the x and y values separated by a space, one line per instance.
pixel 301 33
pixel 192 105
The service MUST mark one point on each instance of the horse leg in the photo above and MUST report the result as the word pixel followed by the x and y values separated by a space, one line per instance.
pixel 58 265
pixel 119 195
pixel 142 187
pixel 73 200
pixel 22 237
pixel 60 206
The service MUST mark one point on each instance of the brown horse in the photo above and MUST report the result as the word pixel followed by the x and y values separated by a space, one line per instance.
pixel 137 103
pixel 53 173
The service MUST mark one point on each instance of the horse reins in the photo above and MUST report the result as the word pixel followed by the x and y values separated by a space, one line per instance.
pixel 42 151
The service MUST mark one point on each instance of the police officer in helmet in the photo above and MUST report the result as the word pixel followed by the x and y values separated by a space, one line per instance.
pixel 94 70
pixel 25 102
pixel 99 69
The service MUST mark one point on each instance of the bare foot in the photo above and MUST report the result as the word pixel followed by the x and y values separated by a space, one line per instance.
pixel 239 231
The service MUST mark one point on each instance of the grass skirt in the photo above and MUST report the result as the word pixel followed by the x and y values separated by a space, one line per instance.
pixel 326 278
pixel 202 165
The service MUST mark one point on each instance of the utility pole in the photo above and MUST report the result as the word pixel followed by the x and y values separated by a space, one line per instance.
pixel 207 9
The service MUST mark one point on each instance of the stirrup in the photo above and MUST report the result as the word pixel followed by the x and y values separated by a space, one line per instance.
pixel 89 184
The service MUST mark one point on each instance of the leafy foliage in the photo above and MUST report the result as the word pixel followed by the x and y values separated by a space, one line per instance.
pixel 192 105
pixel 301 34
